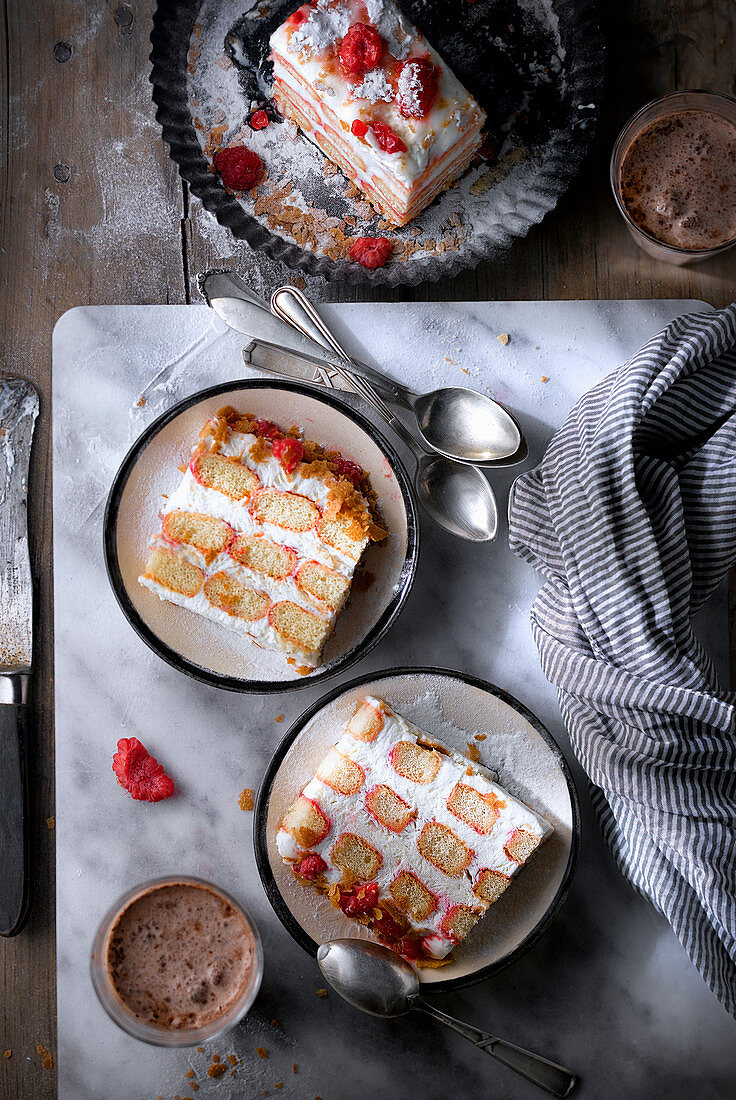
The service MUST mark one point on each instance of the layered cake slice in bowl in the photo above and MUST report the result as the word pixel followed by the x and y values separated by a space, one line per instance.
pixel 245 541
pixel 423 809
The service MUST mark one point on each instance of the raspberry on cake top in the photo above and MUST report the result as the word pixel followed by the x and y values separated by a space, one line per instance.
pixel 406 835
pixel 263 534
pixel 370 91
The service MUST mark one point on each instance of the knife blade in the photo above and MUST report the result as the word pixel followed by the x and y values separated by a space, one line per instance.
pixel 241 309
pixel 18 412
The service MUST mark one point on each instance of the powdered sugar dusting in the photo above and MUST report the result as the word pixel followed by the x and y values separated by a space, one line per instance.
pixel 374 87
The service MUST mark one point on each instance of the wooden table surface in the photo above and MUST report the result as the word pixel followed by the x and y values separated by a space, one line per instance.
pixel 93 211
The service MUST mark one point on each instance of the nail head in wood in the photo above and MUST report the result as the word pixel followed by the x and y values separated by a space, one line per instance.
pixel 62 173
pixel 62 52
pixel 123 17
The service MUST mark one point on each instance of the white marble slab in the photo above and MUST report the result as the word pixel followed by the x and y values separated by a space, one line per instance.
pixel 607 991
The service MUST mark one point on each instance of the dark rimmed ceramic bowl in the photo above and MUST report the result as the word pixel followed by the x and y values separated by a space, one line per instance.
pixel 454 707
pixel 203 649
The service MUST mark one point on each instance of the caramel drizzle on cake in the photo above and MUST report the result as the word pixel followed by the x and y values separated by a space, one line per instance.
pixel 263 534
pixel 404 836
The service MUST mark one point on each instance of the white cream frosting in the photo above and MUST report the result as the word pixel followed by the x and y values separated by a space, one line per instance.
pixel 348 813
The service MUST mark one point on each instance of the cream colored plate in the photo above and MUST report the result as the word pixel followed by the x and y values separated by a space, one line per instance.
pixel 453 708
pixel 208 650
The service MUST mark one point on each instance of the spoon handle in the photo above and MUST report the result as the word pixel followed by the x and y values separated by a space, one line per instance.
pixel 290 305
pixel 554 1079
pixel 357 383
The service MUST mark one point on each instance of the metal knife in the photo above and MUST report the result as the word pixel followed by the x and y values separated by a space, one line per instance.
pixel 18 412
pixel 236 304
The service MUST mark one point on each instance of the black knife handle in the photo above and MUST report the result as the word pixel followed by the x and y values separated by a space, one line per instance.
pixel 13 824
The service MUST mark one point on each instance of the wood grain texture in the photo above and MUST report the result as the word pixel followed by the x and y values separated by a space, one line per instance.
pixel 93 211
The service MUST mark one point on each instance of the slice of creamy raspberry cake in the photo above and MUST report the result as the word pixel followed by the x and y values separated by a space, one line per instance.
pixel 407 836
pixel 367 88
pixel 263 534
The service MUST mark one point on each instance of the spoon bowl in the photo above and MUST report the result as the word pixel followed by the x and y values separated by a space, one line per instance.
pixel 467 426
pixel 368 976
pixel 457 497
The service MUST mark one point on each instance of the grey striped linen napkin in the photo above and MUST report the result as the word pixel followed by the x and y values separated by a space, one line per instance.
pixel 631 517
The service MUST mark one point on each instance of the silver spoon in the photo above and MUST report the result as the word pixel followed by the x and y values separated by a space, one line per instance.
pixel 455 421
pixel 378 981
pixel 457 497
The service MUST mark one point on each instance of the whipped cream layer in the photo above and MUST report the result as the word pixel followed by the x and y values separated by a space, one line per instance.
pixel 429 803
pixel 192 497
pixel 313 88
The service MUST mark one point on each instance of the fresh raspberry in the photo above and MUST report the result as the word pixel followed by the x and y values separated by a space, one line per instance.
pixel 345 468
pixel 361 899
pixel 387 139
pixel 417 87
pixel 140 773
pixel 297 18
pixel 289 452
pixel 489 148
pixel 359 128
pixel 361 48
pixel 239 167
pixel 410 948
pixel 259 120
pixel 388 928
pixel 267 428
pixel 371 252
pixel 310 866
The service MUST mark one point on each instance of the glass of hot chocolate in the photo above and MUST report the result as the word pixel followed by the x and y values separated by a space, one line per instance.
pixel 176 961
pixel 673 174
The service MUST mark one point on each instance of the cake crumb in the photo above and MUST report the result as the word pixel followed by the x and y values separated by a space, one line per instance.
pixel 480 736
pixel 295 1068
pixel 48 1061
pixel 321 992
pixel 201 1050
pixel 279 718
pixel 216 1069
pixel 503 338
pixel 246 799
pixel 544 378
pixel 232 1060
pixel 465 370
pixel 473 752
pixel 50 822
pixel 215 1057
pixel 141 402
pixel 190 1073
pixel 9 1054
pixel 261 1052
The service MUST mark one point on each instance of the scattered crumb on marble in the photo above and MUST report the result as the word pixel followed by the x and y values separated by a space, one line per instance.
pixel 503 338
pixel 545 378
pixel 480 736
pixel 279 718
pixel 50 822
pixel 245 801
pixel 321 992
pixel 261 1052
pixel 473 753
pixel 216 1070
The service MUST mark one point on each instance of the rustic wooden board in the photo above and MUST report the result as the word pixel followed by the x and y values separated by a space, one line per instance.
pixel 93 211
